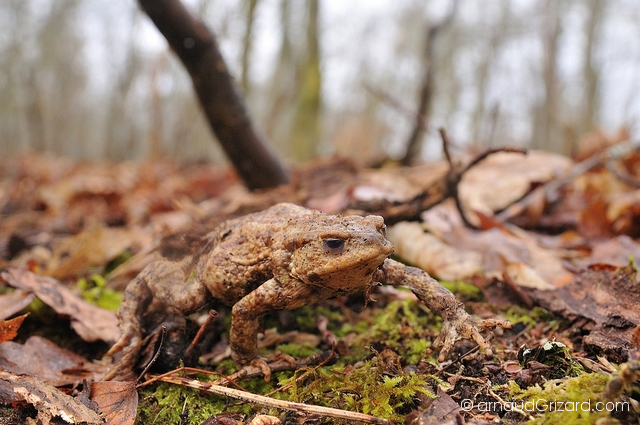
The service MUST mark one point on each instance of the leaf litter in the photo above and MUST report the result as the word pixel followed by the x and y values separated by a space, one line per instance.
pixel 570 255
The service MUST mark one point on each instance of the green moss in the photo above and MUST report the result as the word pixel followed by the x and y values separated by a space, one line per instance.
pixel 164 403
pixel 366 389
pixel 464 290
pixel 571 401
pixel 297 350
pixel 96 292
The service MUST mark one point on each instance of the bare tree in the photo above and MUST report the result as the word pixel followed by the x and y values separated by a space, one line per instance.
pixel 546 122
pixel 426 91
pixel 247 44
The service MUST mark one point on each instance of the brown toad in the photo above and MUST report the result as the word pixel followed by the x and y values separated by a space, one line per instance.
pixel 282 258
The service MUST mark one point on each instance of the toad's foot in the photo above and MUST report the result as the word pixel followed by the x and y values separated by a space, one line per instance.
pixel 462 325
pixel 129 344
pixel 265 365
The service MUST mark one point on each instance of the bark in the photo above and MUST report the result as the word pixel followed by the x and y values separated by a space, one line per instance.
pixel 198 50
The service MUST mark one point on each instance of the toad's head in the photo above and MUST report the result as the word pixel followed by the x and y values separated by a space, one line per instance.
pixel 339 253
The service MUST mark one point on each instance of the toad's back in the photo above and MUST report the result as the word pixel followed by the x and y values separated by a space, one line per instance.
pixel 245 252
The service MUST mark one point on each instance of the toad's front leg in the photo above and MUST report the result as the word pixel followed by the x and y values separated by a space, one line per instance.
pixel 457 323
pixel 271 296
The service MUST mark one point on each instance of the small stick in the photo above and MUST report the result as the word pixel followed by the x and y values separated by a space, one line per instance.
pixel 271 402
pixel 196 339
pixel 551 188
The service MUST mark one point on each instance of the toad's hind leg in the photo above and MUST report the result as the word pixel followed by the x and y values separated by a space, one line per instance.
pixel 160 285
pixel 177 286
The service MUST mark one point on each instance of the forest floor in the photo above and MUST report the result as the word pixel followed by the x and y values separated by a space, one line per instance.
pixel 550 245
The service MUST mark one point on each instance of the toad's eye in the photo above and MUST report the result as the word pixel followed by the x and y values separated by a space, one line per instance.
pixel 384 230
pixel 333 246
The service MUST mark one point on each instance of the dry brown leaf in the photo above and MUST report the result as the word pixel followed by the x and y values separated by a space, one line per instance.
pixel 90 322
pixel 442 410
pixel 117 401
pixel 492 251
pixel 426 251
pixel 96 245
pixel 616 252
pixel 503 178
pixel 42 358
pixel 9 328
pixel 49 401
pixel 607 298
pixel 12 303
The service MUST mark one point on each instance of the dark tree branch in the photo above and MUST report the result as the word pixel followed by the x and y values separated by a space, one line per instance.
pixel 197 48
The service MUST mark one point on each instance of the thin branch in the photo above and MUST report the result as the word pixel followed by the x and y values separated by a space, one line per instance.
pixel 271 402
pixel 551 188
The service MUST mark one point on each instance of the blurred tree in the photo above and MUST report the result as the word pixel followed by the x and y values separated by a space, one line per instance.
pixel 590 69
pixel 425 99
pixel 305 132
pixel 547 131
pixel 247 44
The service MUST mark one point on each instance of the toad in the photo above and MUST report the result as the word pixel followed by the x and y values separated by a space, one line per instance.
pixel 282 258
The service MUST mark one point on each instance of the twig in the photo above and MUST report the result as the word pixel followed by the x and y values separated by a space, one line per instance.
pixel 271 402
pixel 196 339
pixel 163 333
pixel 508 406
pixel 250 371
pixel 551 188
pixel 459 173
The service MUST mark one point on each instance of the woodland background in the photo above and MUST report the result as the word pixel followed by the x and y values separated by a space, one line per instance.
pixel 94 79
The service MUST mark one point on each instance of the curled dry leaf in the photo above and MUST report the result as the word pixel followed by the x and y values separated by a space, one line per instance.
pixel 503 178
pixel 9 328
pixel 90 322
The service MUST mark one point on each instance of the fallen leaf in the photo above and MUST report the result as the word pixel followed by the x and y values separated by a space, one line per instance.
pixel 426 251
pixel 12 303
pixel 442 410
pixel 608 298
pixel 96 245
pixel 9 328
pixel 90 322
pixel 117 401
pixel 42 358
pixel 49 401
pixel 503 178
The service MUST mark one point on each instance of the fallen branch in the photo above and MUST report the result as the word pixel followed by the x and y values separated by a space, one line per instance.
pixel 268 401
